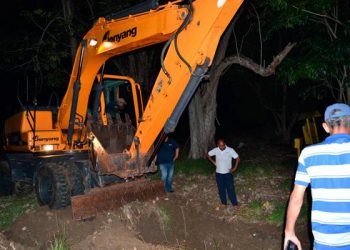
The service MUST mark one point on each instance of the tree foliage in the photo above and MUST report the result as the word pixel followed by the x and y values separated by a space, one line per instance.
pixel 322 29
pixel 43 46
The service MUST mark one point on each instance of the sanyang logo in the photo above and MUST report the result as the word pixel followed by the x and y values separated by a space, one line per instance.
pixel 118 37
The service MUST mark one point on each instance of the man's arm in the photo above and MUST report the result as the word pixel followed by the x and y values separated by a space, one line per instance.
pixel 234 168
pixel 294 206
pixel 177 151
pixel 211 159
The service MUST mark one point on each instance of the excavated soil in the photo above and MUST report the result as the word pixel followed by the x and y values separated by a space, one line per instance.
pixel 189 218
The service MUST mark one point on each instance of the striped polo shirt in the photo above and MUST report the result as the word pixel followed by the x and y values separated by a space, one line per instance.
pixel 326 168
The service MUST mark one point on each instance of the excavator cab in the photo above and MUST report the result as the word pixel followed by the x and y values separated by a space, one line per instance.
pixel 116 97
pixel 116 110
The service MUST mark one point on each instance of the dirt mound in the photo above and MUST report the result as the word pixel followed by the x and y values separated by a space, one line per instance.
pixel 39 229
pixel 185 227
pixel 7 244
pixel 112 234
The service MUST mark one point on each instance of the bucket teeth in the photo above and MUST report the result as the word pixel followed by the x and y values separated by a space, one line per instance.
pixel 114 196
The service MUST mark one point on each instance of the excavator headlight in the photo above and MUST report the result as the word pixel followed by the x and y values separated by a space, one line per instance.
pixel 93 42
pixel 220 3
pixel 48 147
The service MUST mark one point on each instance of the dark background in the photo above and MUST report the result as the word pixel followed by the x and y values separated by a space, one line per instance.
pixel 239 110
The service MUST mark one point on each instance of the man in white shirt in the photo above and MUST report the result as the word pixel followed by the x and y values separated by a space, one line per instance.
pixel 224 169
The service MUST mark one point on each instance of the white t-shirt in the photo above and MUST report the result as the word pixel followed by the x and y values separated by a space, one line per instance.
pixel 223 159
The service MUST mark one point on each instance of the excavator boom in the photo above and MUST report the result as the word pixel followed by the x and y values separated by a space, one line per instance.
pixel 185 60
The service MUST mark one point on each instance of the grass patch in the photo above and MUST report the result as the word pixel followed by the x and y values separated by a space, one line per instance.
pixel 250 170
pixel 194 167
pixel 188 167
pixel 59 243
pixel 256 208
pixel 278 214
pixel 280 210
pixel 255 205
pixel 273 211
pixel 12 207
pixel 165 217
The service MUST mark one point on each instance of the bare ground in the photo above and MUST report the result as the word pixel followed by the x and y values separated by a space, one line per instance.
pixel 190 218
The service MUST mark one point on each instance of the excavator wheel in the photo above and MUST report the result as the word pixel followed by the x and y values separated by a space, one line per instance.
pixel 75 178
pixel 21 188
pixel 5 178
pixel 51 186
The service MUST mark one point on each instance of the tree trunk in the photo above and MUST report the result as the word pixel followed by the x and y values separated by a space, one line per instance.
pixel 285 135
pixel 68 15
pixel 202 114
pixel 202 108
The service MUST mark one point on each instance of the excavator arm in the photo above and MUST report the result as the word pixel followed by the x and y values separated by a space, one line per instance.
pixel 106 39
pixel 190 53
pixel 191 32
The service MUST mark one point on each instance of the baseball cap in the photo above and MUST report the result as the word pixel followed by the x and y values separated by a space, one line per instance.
pixel 336 110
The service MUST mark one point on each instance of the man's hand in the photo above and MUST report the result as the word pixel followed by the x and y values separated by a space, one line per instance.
pixel 292 237
pixel 294 206
pixel 233 169
pixel 211 160
pixel 177 151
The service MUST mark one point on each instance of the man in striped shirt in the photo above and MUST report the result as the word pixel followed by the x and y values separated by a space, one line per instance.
pixel 326 168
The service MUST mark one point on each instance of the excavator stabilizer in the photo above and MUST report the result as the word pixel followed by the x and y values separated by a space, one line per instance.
pixel 114 196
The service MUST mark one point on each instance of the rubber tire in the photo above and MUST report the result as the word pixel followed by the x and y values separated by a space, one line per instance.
pixel 76 180
pixel 6 186
pixel 51 186
pixel 21 188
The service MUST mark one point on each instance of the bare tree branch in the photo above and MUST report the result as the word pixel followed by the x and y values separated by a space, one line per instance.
pixel 244 36
pixel 332 33
pixel 236 42
pixel 259 30
pixel 21 65
pixel 318 14
pixel 91 9
pixel 256 68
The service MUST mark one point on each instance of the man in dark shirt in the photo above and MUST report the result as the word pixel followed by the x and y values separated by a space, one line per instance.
pixel 168 153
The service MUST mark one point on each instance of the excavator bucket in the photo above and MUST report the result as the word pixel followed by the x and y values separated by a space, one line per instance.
pixel 114 196
pixel 109 149
pixel 109 143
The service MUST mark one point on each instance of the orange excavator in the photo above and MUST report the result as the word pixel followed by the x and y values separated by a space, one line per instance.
pixel 96 148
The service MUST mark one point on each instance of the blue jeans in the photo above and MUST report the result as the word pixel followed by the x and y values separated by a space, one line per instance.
pixel 226 184
pixel 167 172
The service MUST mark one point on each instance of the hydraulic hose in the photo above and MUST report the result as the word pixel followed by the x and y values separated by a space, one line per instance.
pixel 174 38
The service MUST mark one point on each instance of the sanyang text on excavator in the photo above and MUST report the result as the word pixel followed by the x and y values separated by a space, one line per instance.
pixel 93 150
